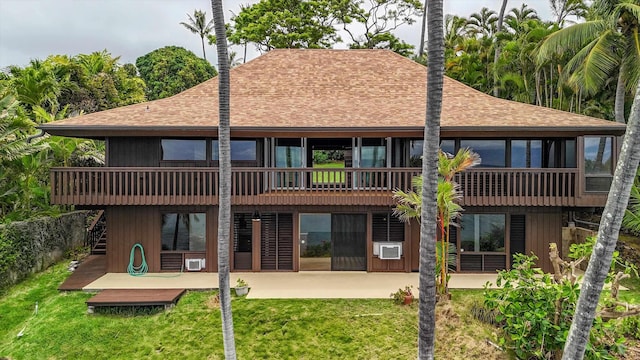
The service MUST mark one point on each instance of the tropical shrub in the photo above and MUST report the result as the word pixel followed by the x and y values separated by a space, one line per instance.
pixel 535 309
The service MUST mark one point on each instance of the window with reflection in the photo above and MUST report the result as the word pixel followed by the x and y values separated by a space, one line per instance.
pixel 415 153
pixel 598 162
pixel 241 150
pixel 492 152
pixel 288 153
pixel 448 146
pixel 184 231
pixel 526 153
pixel 183 149
pixel 482 232
pixel 373 153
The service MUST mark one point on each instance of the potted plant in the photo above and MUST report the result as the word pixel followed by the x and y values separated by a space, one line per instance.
pixel 242 287
pixel 403 296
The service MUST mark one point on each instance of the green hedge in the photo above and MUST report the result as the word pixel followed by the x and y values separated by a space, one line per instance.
pixel 31 246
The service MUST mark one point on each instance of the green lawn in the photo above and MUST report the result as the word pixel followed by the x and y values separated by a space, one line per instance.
pixel 329 177
pixel 265 329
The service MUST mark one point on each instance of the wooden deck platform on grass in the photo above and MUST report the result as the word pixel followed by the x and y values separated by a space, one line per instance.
pixel 91 268
pixel 136 297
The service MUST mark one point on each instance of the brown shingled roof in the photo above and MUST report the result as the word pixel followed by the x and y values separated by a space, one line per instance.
pixel 327 89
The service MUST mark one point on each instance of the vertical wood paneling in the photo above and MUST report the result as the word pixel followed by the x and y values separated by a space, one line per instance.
pixel 126 226
pixel 127 151
pixel 543 229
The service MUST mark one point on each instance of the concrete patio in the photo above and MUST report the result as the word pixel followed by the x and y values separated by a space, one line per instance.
pixel 289 285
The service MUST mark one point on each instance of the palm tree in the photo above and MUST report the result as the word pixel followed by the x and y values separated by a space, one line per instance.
pixel 198 25
pixel 612 215
pixel 496 54
pixel 224 153
pixel 563 8
pixel 427 284
pixel 12 132
pixel 449 196
pixel 483 24
pixel 605 48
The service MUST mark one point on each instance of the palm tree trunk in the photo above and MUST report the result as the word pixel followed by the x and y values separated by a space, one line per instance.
pixel 496 54
pixel 600 260
pixel 427 287
pixel 204 54
pixel 424 28
pixel 619 102
pixel 224 211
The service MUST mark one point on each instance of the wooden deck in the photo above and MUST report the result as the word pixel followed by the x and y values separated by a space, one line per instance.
pixel 136 297
pixel 93 267
pixel 276 186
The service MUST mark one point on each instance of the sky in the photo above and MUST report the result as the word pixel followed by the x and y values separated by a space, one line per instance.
pixel 35 29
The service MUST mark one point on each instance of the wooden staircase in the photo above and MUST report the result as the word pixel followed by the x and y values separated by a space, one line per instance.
pixel 97 235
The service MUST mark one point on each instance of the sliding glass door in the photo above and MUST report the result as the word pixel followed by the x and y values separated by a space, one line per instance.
pixel 333 242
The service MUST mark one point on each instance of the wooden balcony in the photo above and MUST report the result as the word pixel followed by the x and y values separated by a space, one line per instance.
pixel 308 186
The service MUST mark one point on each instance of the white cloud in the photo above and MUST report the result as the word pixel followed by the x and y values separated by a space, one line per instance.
pixel 31 29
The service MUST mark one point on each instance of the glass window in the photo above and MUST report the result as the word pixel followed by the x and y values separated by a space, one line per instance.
pixel 598 163
pixel 570 154
pixel 173 149
pixel 241 150
pixel 482 232
pixel 288 153
pixel 597 155
pixel 526 153
pixel 415 153
pixel 448 146
pixel 184 232
pixel 492 152
pixel 373 153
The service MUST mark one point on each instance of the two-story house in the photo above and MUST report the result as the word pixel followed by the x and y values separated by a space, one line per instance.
pixel 320 138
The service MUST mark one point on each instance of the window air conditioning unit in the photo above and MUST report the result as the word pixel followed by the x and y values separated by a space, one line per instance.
pixel 194 264
pixel 390 252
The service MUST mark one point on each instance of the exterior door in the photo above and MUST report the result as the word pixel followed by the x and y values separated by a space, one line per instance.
pixel 349 242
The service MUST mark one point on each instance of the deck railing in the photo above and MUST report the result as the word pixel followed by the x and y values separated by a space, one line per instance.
pixel 303 186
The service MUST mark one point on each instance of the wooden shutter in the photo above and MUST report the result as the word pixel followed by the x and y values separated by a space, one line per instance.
pixel 517 235
pixel 268 245
pixel 285 241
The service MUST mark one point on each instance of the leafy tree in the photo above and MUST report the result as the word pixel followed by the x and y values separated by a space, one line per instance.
pixel 604 47
pixel 172 69
pixel 378 20
pixel 272 24
pixel 198 25
pixel 224 208
pixel 35 85
pixel 435 75
pixel 84 83
pixel 600 261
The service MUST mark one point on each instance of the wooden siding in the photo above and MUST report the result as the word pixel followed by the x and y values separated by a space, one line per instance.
pixel 543 229
pixel 128 225
pixel 127 152
pixel 270 186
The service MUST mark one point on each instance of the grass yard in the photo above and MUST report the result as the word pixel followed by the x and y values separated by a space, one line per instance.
pixel 328 177
pixel 265 329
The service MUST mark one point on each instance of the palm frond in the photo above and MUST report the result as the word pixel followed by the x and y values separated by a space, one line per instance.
pixel 600 63
pixel 570 38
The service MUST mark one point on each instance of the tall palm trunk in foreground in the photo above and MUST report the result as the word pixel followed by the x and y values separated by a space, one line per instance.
pixel 224 209
pixel 427 287
pixel 607 237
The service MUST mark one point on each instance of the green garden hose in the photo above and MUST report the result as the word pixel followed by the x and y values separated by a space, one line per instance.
pixel 142 268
